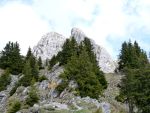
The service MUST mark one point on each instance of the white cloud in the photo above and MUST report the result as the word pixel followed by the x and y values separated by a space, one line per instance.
pixel 99 19
pixel 18 22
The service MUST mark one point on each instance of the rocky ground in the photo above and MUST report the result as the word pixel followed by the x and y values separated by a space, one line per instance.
pixel 67 102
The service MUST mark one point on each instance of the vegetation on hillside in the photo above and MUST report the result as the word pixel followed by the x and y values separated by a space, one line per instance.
pixel 5 80
pixel 14 106
pixel 80 66
pixel 30 71
pixel 32 96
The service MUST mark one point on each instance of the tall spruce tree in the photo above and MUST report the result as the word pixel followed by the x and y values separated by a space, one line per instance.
pixel 29 54
pixel 134 87
pixel 30 71
pixel 33 63
pixel 89 48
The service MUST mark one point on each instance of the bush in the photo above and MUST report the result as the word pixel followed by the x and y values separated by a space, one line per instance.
pixel 120 98
pixel 32 97
pixel 14 107
pixel 99 110
pixel 5 80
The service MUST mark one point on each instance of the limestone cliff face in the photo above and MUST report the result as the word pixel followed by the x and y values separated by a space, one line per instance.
pixel 49 45
pixel 52 43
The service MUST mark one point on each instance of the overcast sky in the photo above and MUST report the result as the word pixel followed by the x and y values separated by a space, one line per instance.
pixel 108 22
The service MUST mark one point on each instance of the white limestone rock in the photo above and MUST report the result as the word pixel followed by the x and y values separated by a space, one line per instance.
pixel 49 45
pixel 52 43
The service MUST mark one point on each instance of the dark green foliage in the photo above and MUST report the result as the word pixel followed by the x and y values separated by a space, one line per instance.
pixel 29 54
pixel 34 66
pixel 127 90
pixel 27 71
pixel 31 62
pixel 132 56
pixel 30 71
pixel 135 89
pixel 16 105
pixel 69 48
pixel 101 78
pixel 11 58
pixel 40 63
pixel 5 80
pixel 100 75
pixel 13 90
pixel 41 78
pixel 135 85
pixel 62 86
pixel 52 62
pixel 32 97
pixel 82 67
pixel 142 90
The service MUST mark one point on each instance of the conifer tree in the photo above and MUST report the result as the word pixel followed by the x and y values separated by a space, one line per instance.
pixel 11 58
pixel 123 56
pixel 32 96
pixel 100 75
pixel 33 64
pixel 69 48
pixel 27 71
pixel 29 54
pixel 40 63
pixel 135 85
pixel 132 56
pixel 52 62
pixel 65 53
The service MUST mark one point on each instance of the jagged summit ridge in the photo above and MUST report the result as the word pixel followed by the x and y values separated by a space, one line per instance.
pixel 52 43
pixel 49 45
pixel 78 34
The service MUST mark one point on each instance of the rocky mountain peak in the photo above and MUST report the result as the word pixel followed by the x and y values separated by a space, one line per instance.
pixel 78 34
pixel 52 43
pixel 49 45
